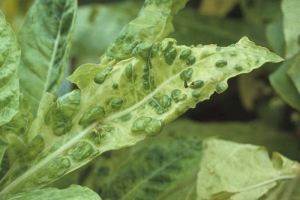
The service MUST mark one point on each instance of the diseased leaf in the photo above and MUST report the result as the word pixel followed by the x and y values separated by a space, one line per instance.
pixel 283 85
pixel 144 28
pixel 159 83
pixel 74 192
pixel 9 82
pixel 234 171
pixel 291 28
pixel 45 40
pixel 163 170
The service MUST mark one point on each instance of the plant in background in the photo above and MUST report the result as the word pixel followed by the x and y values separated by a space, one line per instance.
pixel 144 81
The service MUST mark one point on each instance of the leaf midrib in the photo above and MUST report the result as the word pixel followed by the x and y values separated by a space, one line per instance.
pixel 51 64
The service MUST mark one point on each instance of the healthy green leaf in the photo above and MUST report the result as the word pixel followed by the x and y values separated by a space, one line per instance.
pixel 159 83
pixel 163 170
pixel 9 82
pixel 214 30
pixel 45 42
pixel 283 85
pixel 291 10
pixel 275 36
pixel 144 28
pixel 294 72
pixel 234 171
pixel 3 147
pixel 74 192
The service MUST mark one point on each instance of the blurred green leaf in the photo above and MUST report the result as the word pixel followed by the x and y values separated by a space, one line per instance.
pixel 260 12
pixel 291 10
pixel 193 28
pixel 90 23
pixel 3 147
pixel 275 36
pixel 74 192
pixel 217 7
pixel 294 72
pixel 283 85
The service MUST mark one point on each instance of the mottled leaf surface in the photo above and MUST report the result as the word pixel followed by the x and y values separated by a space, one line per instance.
pixel 122 100
pixel 106 166
pixel 9 82
pixel 144 28
pixel 119 103
pixel 234 171
pixel 290 10
pixel 163 170
pixel 74 192
pixel 45 43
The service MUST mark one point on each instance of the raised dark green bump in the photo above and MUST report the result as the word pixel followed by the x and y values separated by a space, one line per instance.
pixel 186 74
pixel 142 50
pixel 197 84
pixel 221 87
pixel 140 124
pixel 36 146
pixel 165 101
pixel 221 63
pixel 96 112
pixel 95 137
pixel 196 94
pixel 154 50
pixel 55 169
pixel 101 76
pixel 167 46
pixel 60 128
pixel 81 151
pixel 146 85
pixel 170 56
pixel 175 94
pixel 126 118
pixel 107 128
pixel 115 86
pixel 190 60
pixel 154 127
pixel 231 52
pixel 219 49
pixel 128 71
pixel 59 116
pixel 238 67
pixel 185 54
pixel 117 103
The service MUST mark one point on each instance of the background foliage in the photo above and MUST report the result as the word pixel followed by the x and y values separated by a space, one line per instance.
pixel 260 108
